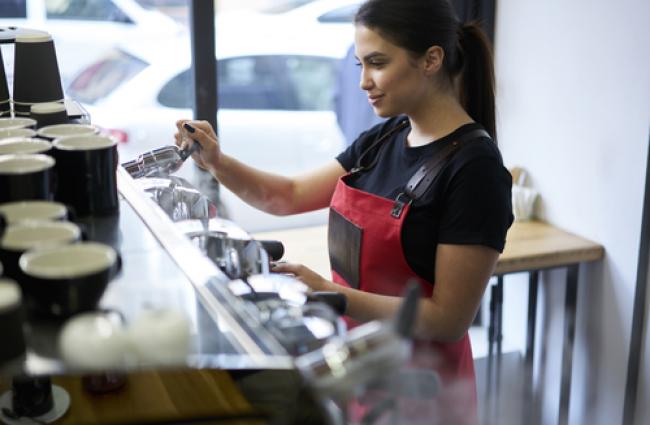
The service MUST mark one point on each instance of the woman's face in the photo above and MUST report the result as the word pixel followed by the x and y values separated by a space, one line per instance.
pixel 394 81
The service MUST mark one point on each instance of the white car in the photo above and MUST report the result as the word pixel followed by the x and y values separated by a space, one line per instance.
pixel 275 106
pixel 84 30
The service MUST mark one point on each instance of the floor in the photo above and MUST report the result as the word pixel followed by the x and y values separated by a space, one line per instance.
pixel 501 396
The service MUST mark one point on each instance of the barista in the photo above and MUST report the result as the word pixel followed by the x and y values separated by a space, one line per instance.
pixel 389 220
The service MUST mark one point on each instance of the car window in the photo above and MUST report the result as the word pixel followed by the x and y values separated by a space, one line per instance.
pixel 13 9
pixel 92 10
pixel 343 14
pixel 303 83
pixel 102 78
pixel 285 6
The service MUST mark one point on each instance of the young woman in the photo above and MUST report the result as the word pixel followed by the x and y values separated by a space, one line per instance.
pixel 422 196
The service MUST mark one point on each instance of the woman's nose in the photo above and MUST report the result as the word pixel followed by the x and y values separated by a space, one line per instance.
pixel 365 82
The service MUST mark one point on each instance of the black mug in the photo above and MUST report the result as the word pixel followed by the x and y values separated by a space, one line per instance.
pixel 11 321
pixel 86 171
pixel 24 146
pixel 68 279
pixel 31 395
pixel 25 177
pixel 16 212
pixel 17 123
pixel 21 237
pixel 49 113
pixel 56 131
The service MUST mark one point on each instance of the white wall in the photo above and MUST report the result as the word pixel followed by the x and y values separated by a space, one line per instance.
pixel 573 81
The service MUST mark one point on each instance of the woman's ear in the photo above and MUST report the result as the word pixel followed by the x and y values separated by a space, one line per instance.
pixel 433 59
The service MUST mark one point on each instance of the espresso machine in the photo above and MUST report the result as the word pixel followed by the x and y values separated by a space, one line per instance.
pixel 300 319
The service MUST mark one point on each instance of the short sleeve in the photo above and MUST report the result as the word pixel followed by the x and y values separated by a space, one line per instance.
pixel 478 205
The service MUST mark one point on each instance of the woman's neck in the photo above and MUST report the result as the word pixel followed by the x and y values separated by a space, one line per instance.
pixel 436 118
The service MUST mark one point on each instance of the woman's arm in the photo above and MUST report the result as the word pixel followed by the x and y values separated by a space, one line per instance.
pixel 272 193
pixel 462 273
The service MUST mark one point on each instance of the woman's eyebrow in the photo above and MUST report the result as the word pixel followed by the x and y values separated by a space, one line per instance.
pixel 371 55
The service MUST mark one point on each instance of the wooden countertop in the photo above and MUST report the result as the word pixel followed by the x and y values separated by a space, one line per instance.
pixel 158 396
pixel 534 245
pixel 530 245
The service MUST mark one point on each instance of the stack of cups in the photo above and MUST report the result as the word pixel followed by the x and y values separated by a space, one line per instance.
pixel 36 72
pixel 5 100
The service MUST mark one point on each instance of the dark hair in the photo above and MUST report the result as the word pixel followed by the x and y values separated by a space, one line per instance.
pixel 416 25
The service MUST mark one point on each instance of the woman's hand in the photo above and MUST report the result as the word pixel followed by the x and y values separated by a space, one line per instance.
pixel 201 132
pixel 306 275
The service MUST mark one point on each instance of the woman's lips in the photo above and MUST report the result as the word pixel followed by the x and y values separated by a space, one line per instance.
pixel 373 100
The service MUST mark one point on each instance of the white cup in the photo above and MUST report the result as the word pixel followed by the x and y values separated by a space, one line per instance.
pixel 160 337
pixel 523 202
pixel 94 341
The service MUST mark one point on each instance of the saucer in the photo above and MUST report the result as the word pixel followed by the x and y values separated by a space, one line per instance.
pixel 61 405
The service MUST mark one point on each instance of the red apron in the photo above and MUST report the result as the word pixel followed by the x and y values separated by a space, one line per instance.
pixel 382 269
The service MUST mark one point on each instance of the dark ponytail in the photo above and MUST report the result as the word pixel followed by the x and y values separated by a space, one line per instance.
pixel 477 76
pixel 416 25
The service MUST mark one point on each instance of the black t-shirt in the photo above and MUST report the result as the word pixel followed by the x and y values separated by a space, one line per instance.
pixel 468 203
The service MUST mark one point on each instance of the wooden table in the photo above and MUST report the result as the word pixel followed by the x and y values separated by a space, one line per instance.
pixel 531 247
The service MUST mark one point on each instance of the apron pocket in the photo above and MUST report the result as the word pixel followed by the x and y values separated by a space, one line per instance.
pixel 344 240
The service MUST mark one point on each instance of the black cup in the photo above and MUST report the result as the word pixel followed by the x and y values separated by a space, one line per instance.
pixel 16 123
pixel 15 212
pixel 49 113
pixel 36 71
pixel 31 395
pixel 5 102
pixel 25 177
pixel 69 279
pixel 11 321
pixel 24 146
pixel 21 237
pixel 17 132
pixel 86 170
pixel 56 131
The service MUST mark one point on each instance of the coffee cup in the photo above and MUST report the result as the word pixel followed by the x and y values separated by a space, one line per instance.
pixel 26 177
pixel 86 173
pixel 31 396
pixel 5 98
pixel 68 279
pixel 56 131
pixel 16 123
pixel 11 321
pixel 21 237
pixel 94 341
pixel 160 337
pixel 16 132
pixel 16 212
pixel 49 113
pixel 23 145
pixel 36 71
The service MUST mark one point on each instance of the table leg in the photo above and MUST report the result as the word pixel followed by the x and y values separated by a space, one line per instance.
pixel 569 336
pixel 529 410
pixel 491 335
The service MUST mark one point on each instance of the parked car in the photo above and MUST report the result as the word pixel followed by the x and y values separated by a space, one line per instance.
pixel 274 96
pixel 84 30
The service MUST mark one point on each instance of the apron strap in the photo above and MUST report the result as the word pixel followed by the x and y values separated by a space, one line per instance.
pixel 424 177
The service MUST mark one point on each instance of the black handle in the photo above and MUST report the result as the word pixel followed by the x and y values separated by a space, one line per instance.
pixel 337 301
pixel 275 249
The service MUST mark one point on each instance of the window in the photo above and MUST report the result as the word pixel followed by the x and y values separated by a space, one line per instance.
pixel 342 15
pixel 102 78
pixel 13 9
pixel 285 6
pixel 299 83
pixel 92 10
